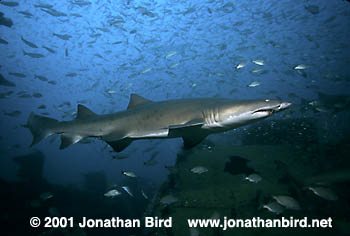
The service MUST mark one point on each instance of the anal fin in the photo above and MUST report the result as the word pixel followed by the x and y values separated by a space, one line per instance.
pixel 69 139
pixel 119 145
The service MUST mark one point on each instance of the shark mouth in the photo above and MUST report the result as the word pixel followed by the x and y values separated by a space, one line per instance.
pixel 270 110
pixel 265 111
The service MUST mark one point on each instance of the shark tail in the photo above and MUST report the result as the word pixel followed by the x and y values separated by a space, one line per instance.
pixel 41 127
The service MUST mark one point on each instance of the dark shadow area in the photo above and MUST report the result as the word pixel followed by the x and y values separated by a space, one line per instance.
pixel 34 196
pixel 238 165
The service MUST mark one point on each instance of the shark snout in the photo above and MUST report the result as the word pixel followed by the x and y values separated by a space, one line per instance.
pixel 284 105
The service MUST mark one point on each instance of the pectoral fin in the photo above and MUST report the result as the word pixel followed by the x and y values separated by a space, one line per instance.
pixel 191 132
pixel 191 141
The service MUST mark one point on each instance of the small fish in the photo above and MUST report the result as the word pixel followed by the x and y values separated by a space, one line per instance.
pixel 66 52
pixel 5 95
pixel 129 174
pixel 143 194
pixel 24 96
pixel 241 65
pixel 53 12
pixel 32 55
pixel 106 30
pixel 112 193
pixel 144 11
pixel 20 75
pixel 46 196
pixel 42 106
pixel 95 35
pixel 9 4
pixel 72 74
pixel 5 21
pixel 170 54
pixel 81 3
pixel 13 113
pixel 287 202
pixel 254 178
pixel 110 91
pixel 189 11
pixel 43 5
pixel 3 41
pixel 274 207
pixel 49 49
pixel 30 44
pixel 76 15
pixel 300 67
pixel 127 189
pixel 119 157
pixel 259 62
pixel 256 70
pixel 324 193
pixel 146 70
pixel 40 77
pixel 199 170
pixel 62 36
pixel 174 65
pixel 254 84
pixel 26 13
pixel 168 199
pixel 150 162
pixel 37 95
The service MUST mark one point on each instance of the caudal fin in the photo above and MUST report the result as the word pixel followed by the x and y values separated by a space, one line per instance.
pixel 40 127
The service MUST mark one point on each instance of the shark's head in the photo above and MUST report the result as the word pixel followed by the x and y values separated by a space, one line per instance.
pixel 235 114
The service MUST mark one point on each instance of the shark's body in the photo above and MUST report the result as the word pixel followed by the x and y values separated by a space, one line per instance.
pixel 191 119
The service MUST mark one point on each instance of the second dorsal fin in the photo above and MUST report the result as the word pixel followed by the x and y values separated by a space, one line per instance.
pixel 136 100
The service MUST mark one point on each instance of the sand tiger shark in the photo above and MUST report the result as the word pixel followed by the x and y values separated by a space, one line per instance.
pixel 191 119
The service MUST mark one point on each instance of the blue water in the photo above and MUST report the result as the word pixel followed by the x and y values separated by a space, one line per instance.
pixel 160 50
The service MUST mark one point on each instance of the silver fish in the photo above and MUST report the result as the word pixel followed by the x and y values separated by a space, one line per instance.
pixel 199 170
pixel 112 193
pixel 127 189
pixel 287 202
pixel 324 193
pixel 129 174
pixel 274 207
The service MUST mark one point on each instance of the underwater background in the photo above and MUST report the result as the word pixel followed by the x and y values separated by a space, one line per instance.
pixel 55 55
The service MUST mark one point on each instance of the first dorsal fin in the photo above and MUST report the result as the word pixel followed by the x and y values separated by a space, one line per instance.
pixel 84 112
pixel 136 100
